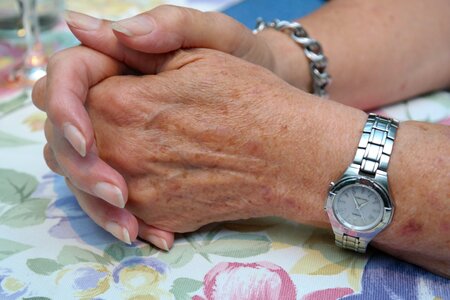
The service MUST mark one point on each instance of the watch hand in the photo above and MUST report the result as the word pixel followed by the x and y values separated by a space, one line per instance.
pixel 361 214
pixel 358 207
pixel 364 204
pixel 354 200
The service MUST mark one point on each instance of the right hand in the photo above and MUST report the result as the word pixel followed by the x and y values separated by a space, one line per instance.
pixel 211 138
pixel 62 93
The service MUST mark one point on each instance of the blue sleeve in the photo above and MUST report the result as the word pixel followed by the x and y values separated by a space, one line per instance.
pixel 248 10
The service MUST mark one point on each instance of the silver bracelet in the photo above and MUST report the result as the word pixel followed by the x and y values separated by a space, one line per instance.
pixel 313 50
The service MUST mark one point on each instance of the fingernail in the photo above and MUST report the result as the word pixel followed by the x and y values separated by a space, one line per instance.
pixel 110 193
pixel 82 21
pixel 75 138
pixel 135 26
pixel 158 242
pixel 118 231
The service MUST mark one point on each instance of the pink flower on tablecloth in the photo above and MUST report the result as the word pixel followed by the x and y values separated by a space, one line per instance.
pixel 262 280
pixel 329 294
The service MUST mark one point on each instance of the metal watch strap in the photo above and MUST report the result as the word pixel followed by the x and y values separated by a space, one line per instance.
pixel 375 147
pixel 372 161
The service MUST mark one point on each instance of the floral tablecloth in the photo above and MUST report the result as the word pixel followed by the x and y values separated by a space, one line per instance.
pixel 50 249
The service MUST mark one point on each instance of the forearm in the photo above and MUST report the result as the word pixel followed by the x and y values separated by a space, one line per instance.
pixel 420 186
pixel 379 51
pixel 418 177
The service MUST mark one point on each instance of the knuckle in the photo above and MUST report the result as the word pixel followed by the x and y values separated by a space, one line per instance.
pixel 105 97
pixel 178 16
pixel 118 101
pixel 56 59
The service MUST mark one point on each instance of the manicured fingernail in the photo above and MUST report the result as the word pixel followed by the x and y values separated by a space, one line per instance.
pixel 135 26
pixel 118 231
pixel 110 193
pixel 75 138
pixel 158 242
pixel 82 21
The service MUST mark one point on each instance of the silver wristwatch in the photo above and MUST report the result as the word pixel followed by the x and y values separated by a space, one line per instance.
pixel 359 205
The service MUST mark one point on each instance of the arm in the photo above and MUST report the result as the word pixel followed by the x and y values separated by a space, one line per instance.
pixel 379 51
pixel 272 150
pixel 63 94
pixel 419 180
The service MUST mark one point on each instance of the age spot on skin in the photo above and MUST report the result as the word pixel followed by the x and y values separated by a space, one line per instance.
pixel 412 227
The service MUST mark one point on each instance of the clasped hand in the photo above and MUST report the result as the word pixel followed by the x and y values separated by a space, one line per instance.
pixel 200 136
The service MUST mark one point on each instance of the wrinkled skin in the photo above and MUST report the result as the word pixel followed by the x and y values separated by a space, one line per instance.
pixel 200 152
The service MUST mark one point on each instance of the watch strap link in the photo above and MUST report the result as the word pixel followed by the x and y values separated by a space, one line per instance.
pixel 375 146
pixel 371 160
pixel 350 242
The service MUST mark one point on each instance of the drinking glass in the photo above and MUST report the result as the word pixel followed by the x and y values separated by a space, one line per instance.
pixel 24 19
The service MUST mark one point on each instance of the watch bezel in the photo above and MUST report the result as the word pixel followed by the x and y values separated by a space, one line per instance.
pixel 341 228
pixel 348 224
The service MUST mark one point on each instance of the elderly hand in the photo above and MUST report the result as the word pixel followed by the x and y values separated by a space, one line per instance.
pixel 70 74
pixel 210 138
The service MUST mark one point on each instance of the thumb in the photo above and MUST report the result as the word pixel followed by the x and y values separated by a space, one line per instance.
pixel 167 28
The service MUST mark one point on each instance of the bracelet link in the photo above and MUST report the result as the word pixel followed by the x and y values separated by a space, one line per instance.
pixel 318 62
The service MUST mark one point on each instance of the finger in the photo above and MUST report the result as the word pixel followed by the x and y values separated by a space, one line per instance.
pixel 51 160
pixel 119 222
pixel 70 74
pixel 89 174
pixel 158 237
pixel 38 93
pixel 172 28
pixel 97 34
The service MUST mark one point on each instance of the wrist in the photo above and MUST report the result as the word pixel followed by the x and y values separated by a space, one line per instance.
pixel 289 60
pixel 323 137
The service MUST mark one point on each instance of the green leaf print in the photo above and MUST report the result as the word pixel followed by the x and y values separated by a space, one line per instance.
pixel 183 286
pixel 8 248
pixel 16 187
pixel 148 250
pixel 118 251
pixel 179 255
pixel 36 298
pixel 28 213
pixel 10 106
pixel 8 140
pixel 72 255
pixel 288 234
pixel 43 266
pixel 238 245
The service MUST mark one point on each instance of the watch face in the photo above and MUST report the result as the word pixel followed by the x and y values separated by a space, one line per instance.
pixel 358 207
